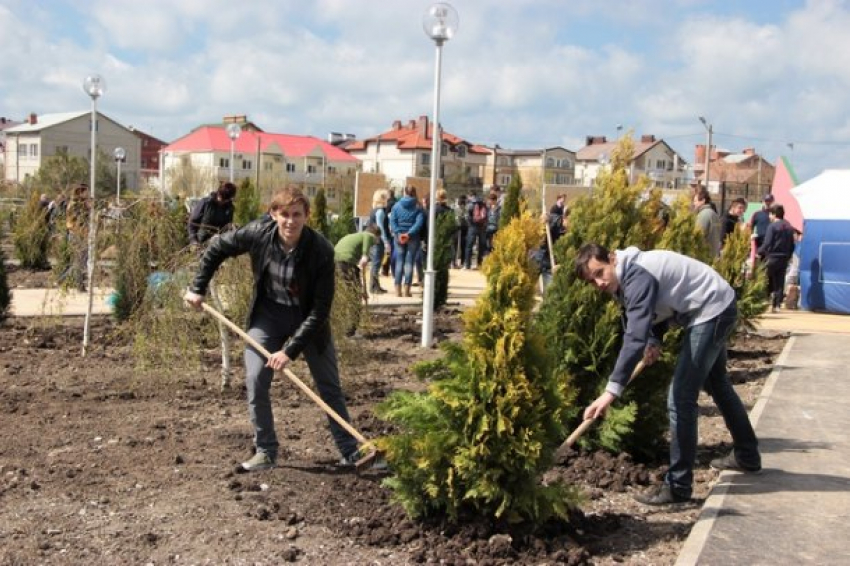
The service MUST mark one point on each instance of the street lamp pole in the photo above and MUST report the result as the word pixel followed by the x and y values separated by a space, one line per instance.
pixel 119 154
pixel 440 23
pixel 233 132
pixel 710 130
pixel 94 86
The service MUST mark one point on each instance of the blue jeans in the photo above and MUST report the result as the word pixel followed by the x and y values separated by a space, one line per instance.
pixel 702 365
pixel 405 259
pixel 271 326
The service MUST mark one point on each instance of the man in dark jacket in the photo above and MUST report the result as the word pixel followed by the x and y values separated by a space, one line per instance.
pixel 731 219
pixel 212 214
pixel 760 220
pixel 658 288
pixel 293 269
pixel 777 249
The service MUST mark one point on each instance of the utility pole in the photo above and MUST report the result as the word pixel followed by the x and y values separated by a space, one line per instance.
pixel 710 129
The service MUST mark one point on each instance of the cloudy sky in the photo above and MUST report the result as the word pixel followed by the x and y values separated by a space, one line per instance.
pixel 769 74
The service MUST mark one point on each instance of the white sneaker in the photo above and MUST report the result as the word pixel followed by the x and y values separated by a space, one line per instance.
pixel 259 461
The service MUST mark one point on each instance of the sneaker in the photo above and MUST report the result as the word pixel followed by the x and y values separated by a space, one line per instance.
pixel 774 310
pixel 378 291
pixel 378 464
pixel 729 462
pixel 259 461
pixel 662 495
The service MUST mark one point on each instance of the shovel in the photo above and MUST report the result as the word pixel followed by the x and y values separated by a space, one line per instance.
pixel 586 423
pixel 362 463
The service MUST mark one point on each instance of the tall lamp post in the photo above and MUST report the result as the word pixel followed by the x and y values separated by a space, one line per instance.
pixel 119 154
pixel 233 132
pixel 94 86
pixel 440 23
pixel 710 130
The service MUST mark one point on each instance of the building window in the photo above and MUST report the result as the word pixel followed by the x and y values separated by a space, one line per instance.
pixel 504 180
pixel 311 169
pixel 33 150
pixel 550 162
pixel 246 164
pixel 503 161
pixel 224 162
pixel 660 164
pixel 331 169
pixel 22 150
pixel 332 194
pixel 290 168
pixel 424 159
pixel 267 166
pixel 461 151
pixel 311 192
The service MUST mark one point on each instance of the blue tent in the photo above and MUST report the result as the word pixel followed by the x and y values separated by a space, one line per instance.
pixel 825 247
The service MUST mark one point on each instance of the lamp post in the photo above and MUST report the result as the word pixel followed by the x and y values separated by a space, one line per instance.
pixel 119 154
pixel 94 86
pixel 710 130
pixel 233 132
pixel 440 23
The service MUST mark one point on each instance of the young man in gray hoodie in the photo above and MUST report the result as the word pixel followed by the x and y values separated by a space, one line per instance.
pixel 656 289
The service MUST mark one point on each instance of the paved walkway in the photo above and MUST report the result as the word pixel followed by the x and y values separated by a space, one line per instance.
pixel 797 511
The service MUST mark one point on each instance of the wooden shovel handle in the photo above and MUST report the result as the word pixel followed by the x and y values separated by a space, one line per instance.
pixel 585 424
pixel 292 377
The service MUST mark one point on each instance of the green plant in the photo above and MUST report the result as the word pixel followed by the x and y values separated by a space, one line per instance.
pixel 5 292
pixel 344 222
pixel 750 286
pixel 319 213
pixel 149 236
pixel 481 436
pixel 248 205
pixel 512 206
pixel 443 254
pixel 31 235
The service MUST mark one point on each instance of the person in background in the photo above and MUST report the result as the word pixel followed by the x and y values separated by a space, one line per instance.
pixel 656 289
pixel 494 215
pixel 388 266
pixel 77 223
pixel 294 277
pixel 731 219
pixel 212 214
pixel 761 220
pixel 776 251
pixel 406 221
pixel 476 211
pixel 559 207
pixel 381 218
pixel 708 221
pixel 462 221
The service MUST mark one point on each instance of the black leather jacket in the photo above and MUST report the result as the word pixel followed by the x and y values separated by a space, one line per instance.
pixel 314 276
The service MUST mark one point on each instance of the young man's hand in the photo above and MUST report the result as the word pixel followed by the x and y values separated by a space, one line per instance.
pixel 193 300
pixel 277 361
pixel 651 354
pixel 600 406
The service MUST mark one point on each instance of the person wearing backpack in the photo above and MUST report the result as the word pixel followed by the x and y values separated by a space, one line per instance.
pixel 476 210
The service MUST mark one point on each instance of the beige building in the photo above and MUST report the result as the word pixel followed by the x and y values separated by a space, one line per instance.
pixel 29 144
pixel 652 158
pixel 405 151
pixel 536 167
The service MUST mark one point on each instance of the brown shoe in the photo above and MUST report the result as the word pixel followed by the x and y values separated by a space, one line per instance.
pixel 398 291
pixel 407 292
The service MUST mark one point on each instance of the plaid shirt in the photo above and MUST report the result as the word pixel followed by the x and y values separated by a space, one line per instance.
pixel 279 279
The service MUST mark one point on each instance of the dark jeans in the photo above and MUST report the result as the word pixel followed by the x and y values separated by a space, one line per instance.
pixel 776 268
pixel 473 235
pixel 702 365
pixel 376 256
pixel 271 326
pixel 460 244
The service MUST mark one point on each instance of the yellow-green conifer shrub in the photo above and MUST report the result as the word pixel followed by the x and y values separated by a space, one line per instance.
pixel 478 441
pixel 319 213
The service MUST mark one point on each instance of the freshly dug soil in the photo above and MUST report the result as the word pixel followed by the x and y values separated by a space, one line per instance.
pixel 100 463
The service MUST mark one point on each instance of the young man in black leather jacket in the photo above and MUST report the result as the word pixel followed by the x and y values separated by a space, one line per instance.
pixel 293 268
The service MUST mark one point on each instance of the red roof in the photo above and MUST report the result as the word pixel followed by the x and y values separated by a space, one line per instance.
pixel 214 138
pixel 416 134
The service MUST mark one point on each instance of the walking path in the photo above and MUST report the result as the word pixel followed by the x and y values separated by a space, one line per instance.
pixel 797 511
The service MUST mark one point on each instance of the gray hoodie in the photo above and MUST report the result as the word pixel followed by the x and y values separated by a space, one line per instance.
pixel 658 288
